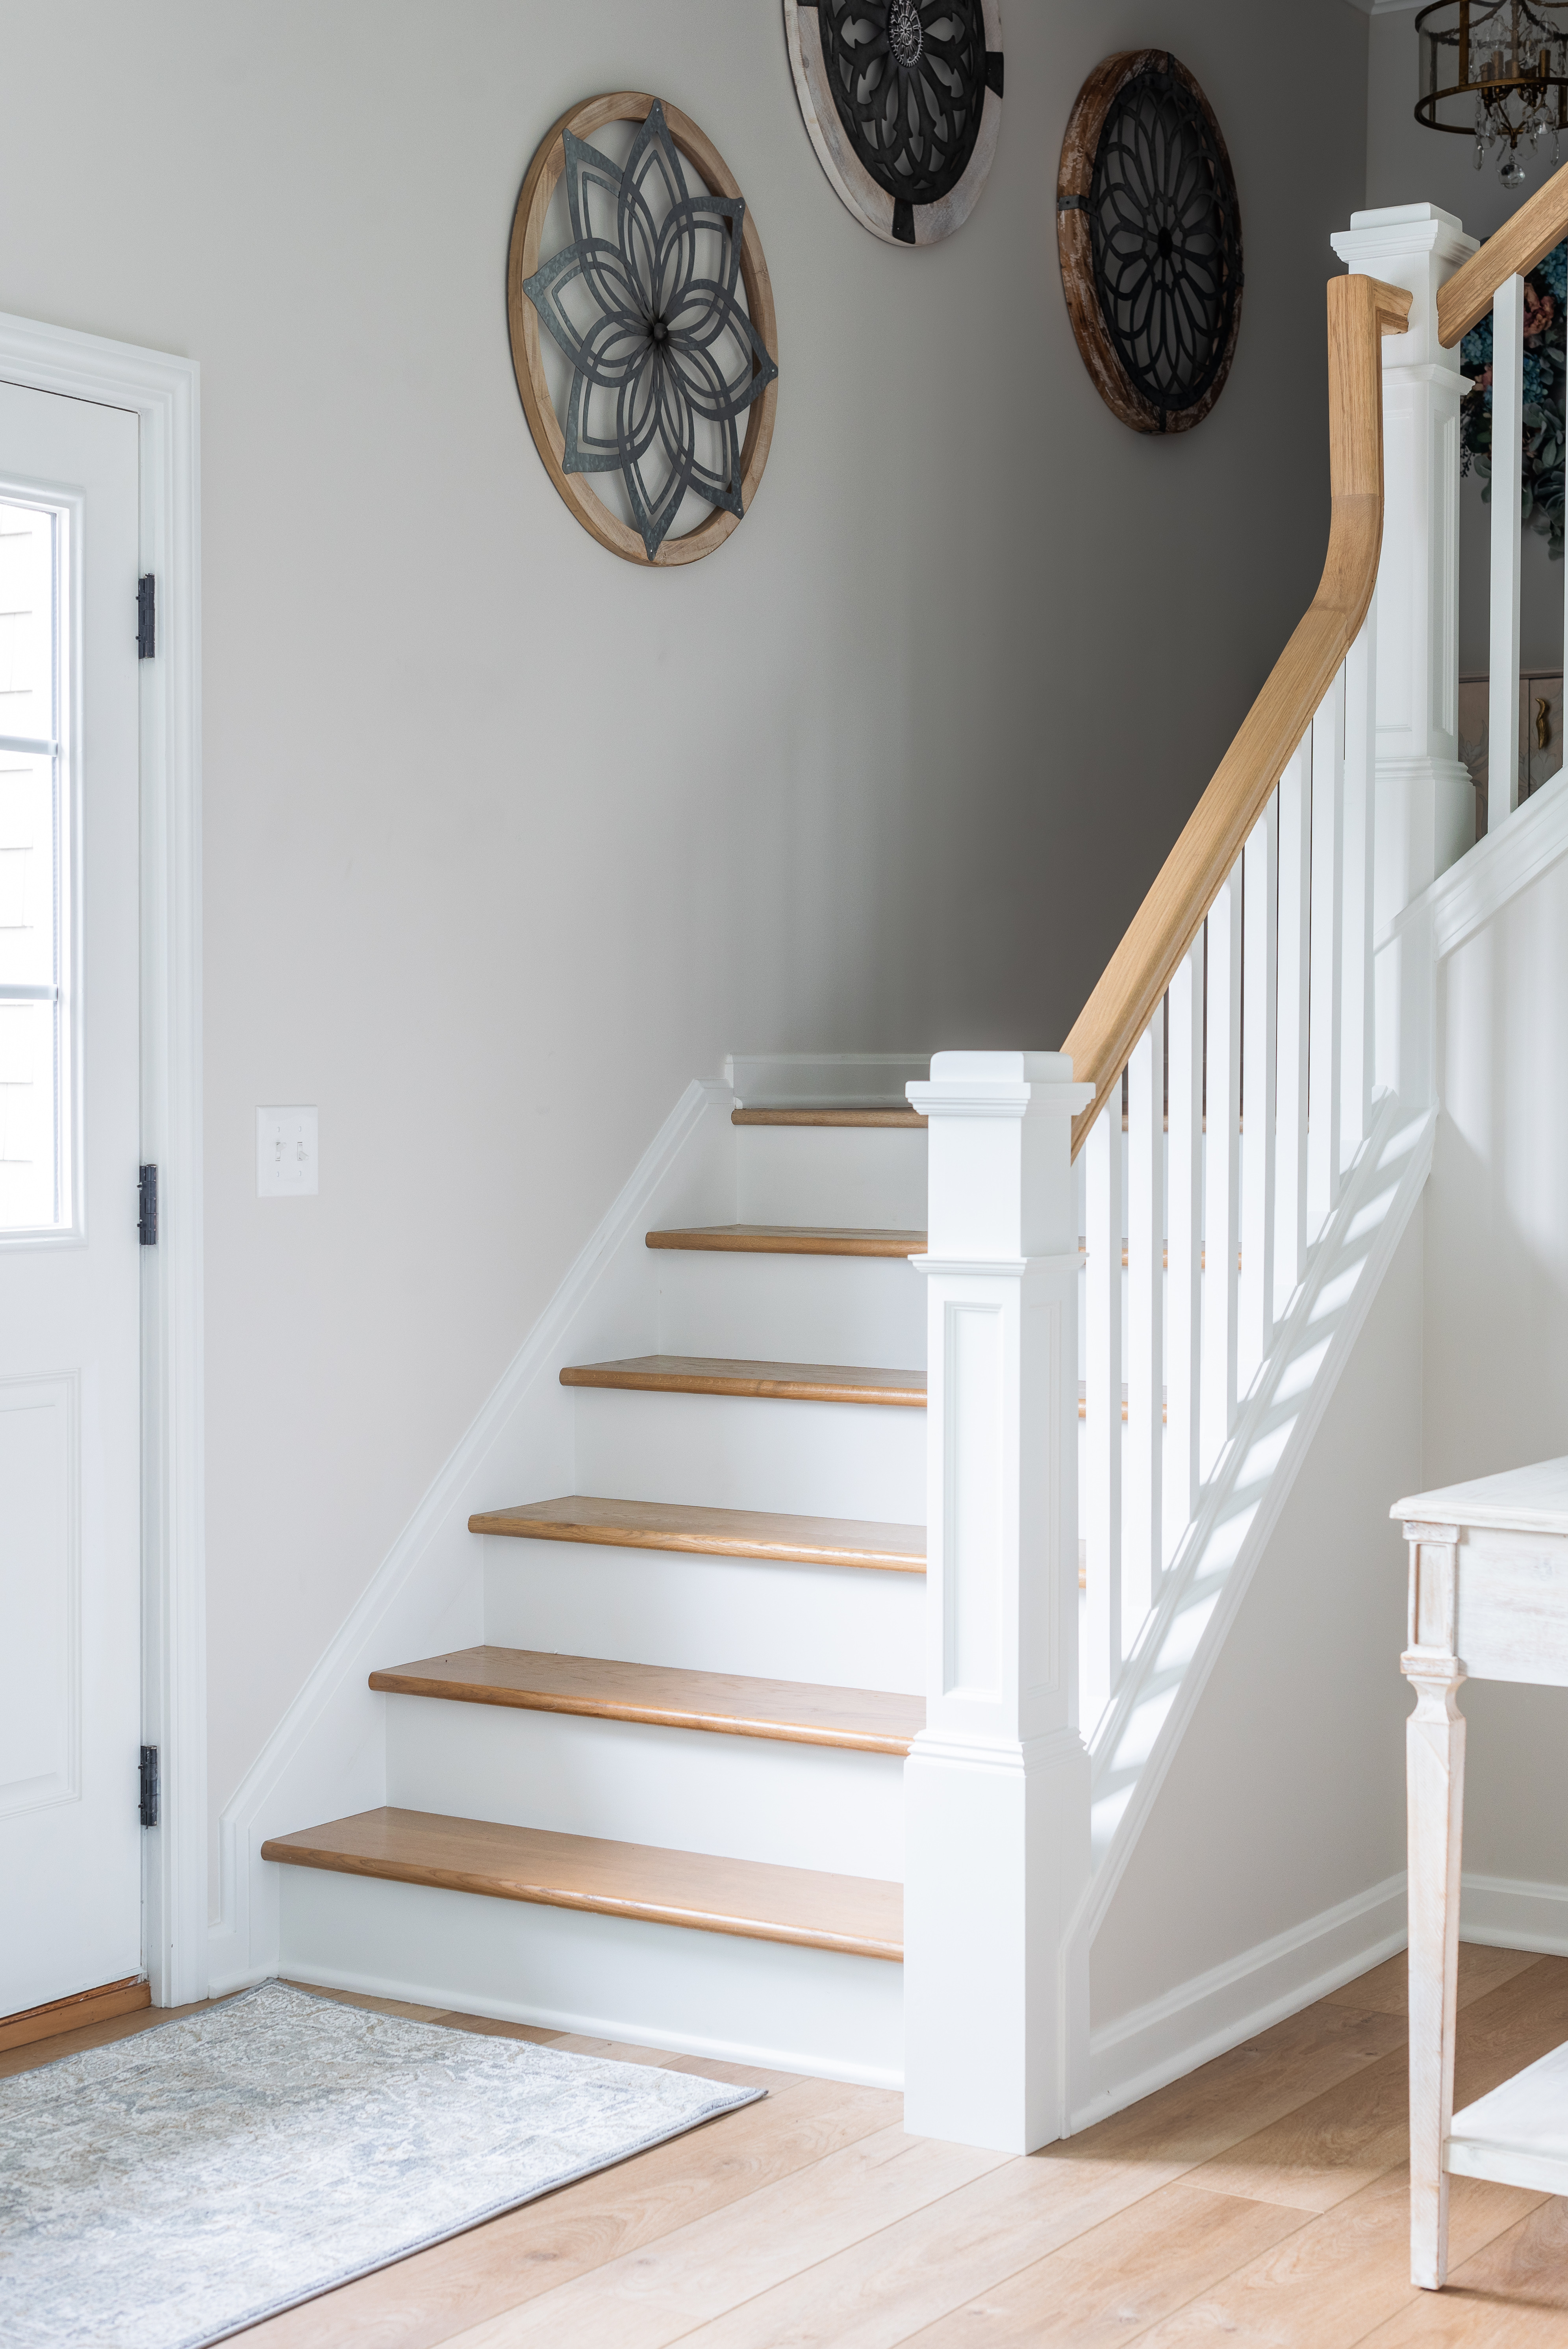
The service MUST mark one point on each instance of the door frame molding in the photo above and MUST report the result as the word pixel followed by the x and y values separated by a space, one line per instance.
pixel 164 392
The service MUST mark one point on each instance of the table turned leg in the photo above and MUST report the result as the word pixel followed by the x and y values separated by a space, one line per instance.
pixel 1434 1770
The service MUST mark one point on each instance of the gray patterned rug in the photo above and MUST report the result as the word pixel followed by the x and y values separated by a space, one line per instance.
pixel 173 2186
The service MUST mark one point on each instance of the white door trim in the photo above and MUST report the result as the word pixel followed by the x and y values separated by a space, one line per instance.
pixel 164 391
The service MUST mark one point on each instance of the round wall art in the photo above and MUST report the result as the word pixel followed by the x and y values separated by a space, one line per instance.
pixel 904 102
pixel 660 315
pixel 1149 235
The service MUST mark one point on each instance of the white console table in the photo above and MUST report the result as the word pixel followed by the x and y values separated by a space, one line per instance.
pixel 1489 1600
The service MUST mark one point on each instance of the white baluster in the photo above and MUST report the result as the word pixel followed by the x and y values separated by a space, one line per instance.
pixel 1357 1023
pixel 1183 1245
pixel 1260 921
pixel 1101 1509
pixel 1142 1533
pixel 1327 974
pixel 1295 945
pixel 1507 461
pixel 1222 1200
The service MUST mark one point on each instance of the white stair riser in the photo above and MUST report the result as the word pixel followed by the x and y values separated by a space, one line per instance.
pixel 736 1451
pixel 850 1627
pixel 718 1995
pixel 793 1308
pixel 693 1790
pixel 831 1174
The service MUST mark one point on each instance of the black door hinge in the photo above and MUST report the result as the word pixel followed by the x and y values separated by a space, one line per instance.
pixel 146 617
pixel 147 1208
pixel 150 1785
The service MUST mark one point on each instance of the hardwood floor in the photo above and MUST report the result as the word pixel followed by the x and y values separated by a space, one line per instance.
pixel 1260 2201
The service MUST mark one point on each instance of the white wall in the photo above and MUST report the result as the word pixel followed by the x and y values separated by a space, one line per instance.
pixel 1285 1798
pixel 506 841
pixel 1406 163
pixel 1496 1359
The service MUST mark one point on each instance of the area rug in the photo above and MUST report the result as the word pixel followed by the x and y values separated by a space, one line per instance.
pixel 171 2187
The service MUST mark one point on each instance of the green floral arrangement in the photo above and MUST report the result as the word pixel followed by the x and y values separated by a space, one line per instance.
pixel 1545 368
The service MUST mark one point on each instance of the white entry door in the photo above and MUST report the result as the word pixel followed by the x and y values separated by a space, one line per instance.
pixel 70 1911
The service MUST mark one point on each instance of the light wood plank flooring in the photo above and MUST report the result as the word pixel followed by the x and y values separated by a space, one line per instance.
pixel 1261 2200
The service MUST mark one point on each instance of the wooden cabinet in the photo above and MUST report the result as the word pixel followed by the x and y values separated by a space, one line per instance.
pixel 1540 732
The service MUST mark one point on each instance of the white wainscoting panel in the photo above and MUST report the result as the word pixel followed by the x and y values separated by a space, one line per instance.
pixel 40 1593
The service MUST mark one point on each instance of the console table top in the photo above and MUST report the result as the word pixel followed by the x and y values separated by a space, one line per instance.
pixel 1532 1500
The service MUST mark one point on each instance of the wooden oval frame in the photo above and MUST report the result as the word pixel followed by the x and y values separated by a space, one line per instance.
pixel 542 178
pixel 871 204
pixel 1075 245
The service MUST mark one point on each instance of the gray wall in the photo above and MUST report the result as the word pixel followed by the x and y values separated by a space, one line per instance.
pixel 1408 164
pixel 506 841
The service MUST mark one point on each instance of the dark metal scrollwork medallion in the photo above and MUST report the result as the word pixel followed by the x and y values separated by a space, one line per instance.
pixel 661 307
pixel 1150 237
pixel 903 100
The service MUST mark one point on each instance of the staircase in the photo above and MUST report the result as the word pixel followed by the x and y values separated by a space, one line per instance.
pixel 676 1759
pixel 820 1721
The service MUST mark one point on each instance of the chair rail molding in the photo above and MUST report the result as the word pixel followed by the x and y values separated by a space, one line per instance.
pixel 163 391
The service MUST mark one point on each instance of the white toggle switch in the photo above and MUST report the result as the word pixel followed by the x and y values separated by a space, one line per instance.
pixel 287 1158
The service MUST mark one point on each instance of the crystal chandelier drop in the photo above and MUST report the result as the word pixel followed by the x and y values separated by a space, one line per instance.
pixel 1496 71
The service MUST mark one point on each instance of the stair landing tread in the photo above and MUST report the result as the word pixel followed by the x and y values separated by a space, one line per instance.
pixel 867 1720
pixel 861 1915
pixel 712 1533
pixel 787 1381
pixel 793 1239
pixel 884 1116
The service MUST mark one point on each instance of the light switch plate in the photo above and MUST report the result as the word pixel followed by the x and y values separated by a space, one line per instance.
pixel 286 1154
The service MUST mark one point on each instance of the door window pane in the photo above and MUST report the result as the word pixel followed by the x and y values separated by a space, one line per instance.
pixel 27 645
pixel 34 1023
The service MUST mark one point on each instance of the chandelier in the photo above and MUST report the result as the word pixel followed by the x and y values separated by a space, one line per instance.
pixel 1497 72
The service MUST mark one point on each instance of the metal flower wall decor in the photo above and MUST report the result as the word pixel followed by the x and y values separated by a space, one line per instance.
pixel 655 305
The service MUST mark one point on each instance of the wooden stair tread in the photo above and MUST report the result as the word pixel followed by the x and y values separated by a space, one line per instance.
pixel 862 1915
pixel 781 1381
pixel 793 1239
pixel 867 1720
pixel 712 1533
pixel 894 1117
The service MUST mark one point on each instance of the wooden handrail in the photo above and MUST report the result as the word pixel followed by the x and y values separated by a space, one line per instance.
pixel 1513 252
pixel 1361 310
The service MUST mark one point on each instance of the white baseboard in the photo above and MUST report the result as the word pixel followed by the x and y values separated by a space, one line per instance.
pixel 1173 2034
pixel 1505 1913
pixel 327 1757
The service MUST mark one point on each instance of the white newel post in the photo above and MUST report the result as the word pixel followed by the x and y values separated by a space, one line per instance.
pixel 996 1786
pixel 1425 801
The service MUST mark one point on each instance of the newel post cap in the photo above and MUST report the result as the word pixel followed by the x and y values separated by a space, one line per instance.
pixel 999 1184
pixel 999 1084
pixel 1418 247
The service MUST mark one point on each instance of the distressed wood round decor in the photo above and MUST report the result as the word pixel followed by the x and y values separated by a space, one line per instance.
pixel 903 100
pixel 1149 233
pixel 569 460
